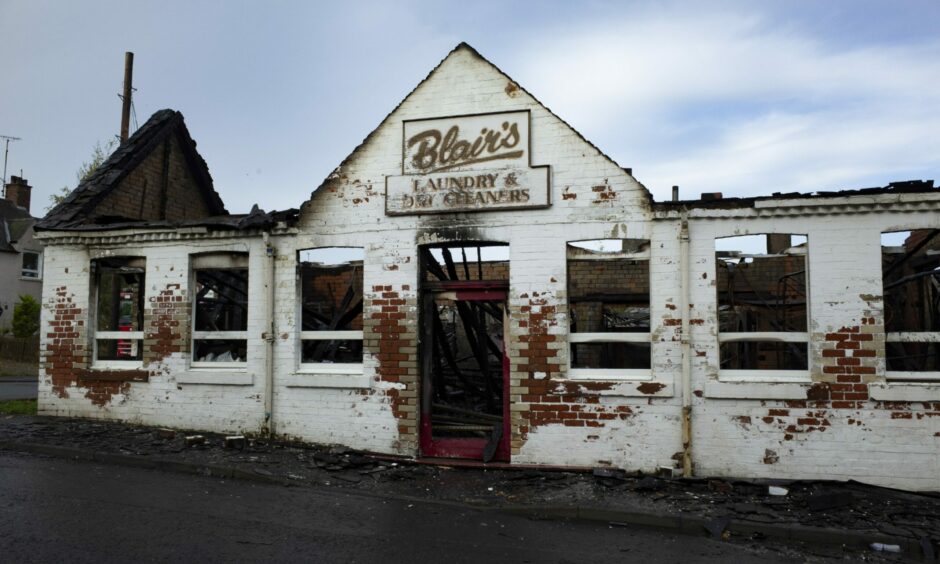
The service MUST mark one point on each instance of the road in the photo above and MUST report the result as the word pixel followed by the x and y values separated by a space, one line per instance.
pixel 18 388
pixel 54 510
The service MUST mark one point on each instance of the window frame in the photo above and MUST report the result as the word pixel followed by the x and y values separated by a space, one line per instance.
pixel 783 376
pixel 907 376
pixel 135 336
pixel 593 337
pixel 24 270
pixel 336 368
pixel 218 261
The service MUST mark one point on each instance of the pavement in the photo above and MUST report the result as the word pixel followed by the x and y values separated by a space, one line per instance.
pixel 18 388
pixel 55 510
pixel 835 516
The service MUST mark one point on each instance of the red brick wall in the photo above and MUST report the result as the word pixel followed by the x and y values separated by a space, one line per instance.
pixel 139 195
pixel 390 335
pixel 166 324
pixel 67 356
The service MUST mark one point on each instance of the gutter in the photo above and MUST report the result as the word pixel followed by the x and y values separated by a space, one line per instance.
pixel 270 253
pixel 686 346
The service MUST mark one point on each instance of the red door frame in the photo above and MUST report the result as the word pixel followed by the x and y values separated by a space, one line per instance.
pixel 469 447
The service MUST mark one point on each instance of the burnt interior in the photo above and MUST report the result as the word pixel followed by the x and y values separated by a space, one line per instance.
pixel 910 271
pixel 119 306
pixel 331 300
pixel 609 292
pixel 221 305
pixel 762 288
pixel 463 345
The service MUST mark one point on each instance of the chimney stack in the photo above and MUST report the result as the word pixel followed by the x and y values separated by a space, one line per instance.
pixel 675 193
pixel 18 191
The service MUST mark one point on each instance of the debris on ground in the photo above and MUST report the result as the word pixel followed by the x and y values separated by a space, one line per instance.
pixel 912 517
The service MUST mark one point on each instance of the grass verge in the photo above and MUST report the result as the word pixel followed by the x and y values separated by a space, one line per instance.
pixel 18 407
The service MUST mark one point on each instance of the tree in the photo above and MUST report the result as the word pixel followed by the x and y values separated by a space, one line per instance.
pixel 98 155
pixel 26 317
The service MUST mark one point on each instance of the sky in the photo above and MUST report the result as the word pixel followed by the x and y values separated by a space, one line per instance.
pixel 740 97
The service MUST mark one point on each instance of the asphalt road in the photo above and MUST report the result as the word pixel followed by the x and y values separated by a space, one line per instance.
pixel 18 388
pixel 54 510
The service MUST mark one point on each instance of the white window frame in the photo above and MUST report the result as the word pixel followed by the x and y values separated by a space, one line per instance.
pixel 347 368
pixel 137 337
pixel 217 261
pixel 330 367
pixel 24 272
pixel 931 376
pixel 759 374
pixel 912 337
pixel 618 374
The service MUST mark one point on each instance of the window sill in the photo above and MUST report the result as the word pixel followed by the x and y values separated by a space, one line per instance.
pixel 620 388
pixel 216 376
pixel 611 374
pixel 130 373
pixel 905 391
pixel 757 389
pixel 765 376
pixel 913 377
pixel 108 365
pixel 217 366
pixel 30 279
pixel 313 379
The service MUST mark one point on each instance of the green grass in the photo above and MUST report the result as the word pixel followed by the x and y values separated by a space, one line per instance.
pixel 18 407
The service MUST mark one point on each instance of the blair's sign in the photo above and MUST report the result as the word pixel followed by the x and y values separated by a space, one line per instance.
pixel 467 164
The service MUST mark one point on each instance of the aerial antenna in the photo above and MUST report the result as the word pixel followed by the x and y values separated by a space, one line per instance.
pixel 6 153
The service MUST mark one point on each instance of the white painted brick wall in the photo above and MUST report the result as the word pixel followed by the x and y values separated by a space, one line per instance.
pixel 730 437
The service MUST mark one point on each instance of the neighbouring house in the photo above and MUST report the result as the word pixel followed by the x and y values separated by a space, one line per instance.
pixel 20 253
pixel 477 280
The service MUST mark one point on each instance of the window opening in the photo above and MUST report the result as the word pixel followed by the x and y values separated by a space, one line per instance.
pixel 762 303
pixel 911 288
pixel 331 280
pixel 220 320
pixel 483 262
pixel 609 308
pixel 32 265
pixel 119 310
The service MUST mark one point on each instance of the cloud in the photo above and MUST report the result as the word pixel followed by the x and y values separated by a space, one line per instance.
pixel 732 103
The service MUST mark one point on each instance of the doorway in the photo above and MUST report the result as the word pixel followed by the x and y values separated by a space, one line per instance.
pixel 464 362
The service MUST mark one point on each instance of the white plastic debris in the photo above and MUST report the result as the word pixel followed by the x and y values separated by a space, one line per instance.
pixel 777 490
pixel 882 547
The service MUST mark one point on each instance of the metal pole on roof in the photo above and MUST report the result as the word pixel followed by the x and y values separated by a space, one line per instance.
pixel 126 98
pixel 6 153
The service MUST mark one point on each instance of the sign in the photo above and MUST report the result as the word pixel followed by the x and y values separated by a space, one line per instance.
pixel 467 164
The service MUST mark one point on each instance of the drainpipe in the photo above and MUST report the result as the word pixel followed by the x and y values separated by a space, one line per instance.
pixel 270 253
pixel 686 347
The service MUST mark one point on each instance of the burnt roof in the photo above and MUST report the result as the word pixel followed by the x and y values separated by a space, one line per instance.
pixel 14 221
pixel 256 219
pixel 899 187
pixel 73 212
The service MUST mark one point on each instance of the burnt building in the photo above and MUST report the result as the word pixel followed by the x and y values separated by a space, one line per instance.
pixel 476 280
